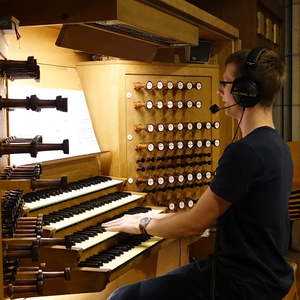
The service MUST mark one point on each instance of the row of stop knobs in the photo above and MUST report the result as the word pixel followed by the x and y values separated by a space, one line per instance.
pixel 180 145
pixel 178 178
pixel 177 126
pixel 170 104
pixel 168 85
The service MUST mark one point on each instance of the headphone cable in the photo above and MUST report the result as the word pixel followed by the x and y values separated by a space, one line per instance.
pixel 238 126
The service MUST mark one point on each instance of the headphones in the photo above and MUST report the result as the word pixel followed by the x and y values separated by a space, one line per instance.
pixel 246 89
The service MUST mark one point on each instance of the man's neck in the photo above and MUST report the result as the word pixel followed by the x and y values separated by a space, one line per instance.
pixel 255 117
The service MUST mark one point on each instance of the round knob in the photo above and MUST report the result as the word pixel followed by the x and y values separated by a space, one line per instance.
pixel 170 85
pixel 190 144
pixel 180 85
pixel 199 144
pixel 160 180
pixel 189 85
pixel 190 203
pixel 198 104
pixel 179 104
pixel 181 204
pixel 170 104
pixel 160 146
pixel 199 175
pixel 190 177
pixel 180 145
pixel 159 104
pixel 149 85
pixel 189 104
pixel 180 178
pixel 216 143
pixel 216 125
pixel 180 126
pixel 160 127
pixel 207 143
pixel 189 126
pixel 198 125
pixel 159 85
pixel 171 146
pixel 170 127
pixel 171 206
pixel 171 179
pixel 149 104
pixel 208 175
pixel 198 86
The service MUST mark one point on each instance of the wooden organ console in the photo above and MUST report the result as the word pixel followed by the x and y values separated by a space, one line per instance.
pixel 166 141
pixel 163 146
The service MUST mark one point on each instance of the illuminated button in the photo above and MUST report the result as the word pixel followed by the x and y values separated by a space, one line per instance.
pixel 208 175
pixel 189 85
pixel 150 181
pixel 216 143
pixel 180 85
pixel 181 178
pixel 150 147
pixel 171 146
pixel 216 125
pixel 180 126
pixel 159 104
pixel 150 128
pixel 171 179
pixel 190 177
pixel 160 127
pixel 170 104
pixel 160 146
pixel 160 180
pixel 181 204
pixel 179 145
pixel 170 127
pixel 171 206
pixel 198 86
pixel 149 104
pixel 199 143
pixel 207 143
pixel 199 125
pixel 208 125
pixel 170 85
pixel 179 104
pixel 199 175
pixel 189 126
pixel 159 85
pixel 190 144
pixel 190 203
pixel 189 104
pixel 198 104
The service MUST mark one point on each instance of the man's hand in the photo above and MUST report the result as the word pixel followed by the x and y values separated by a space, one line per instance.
pixel 127 223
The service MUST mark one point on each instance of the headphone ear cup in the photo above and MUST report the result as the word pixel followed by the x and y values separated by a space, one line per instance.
pixel 245 91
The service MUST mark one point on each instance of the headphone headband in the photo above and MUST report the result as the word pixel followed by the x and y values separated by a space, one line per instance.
pixel 254 56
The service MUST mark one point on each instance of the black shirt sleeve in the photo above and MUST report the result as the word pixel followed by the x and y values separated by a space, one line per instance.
pixel 237 170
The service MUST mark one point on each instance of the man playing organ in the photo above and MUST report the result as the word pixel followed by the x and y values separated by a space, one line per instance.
pixel 248 199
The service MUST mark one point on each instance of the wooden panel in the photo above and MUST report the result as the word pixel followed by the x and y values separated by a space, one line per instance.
pixel 119 116
pixel 97 41
pixel 295 150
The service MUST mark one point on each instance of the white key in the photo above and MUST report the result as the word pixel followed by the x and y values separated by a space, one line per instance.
pixel 73 194
pixel 100 237
pixel 94 240
pixel 93 212
pixel 130 254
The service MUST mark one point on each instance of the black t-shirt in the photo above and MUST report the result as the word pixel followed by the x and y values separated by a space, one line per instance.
pixel 255 175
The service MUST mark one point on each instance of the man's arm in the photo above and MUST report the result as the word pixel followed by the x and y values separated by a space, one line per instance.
pixel 193 222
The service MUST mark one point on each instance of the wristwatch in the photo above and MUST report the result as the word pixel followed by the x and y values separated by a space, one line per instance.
pixel 143 224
